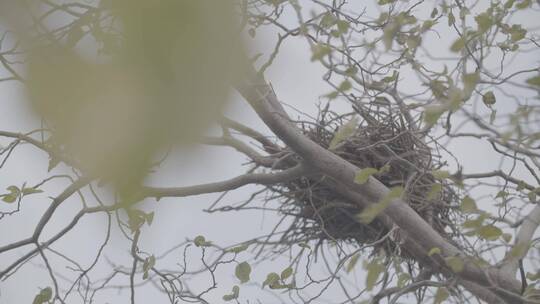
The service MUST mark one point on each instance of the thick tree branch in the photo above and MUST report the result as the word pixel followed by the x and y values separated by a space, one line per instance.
pixel 422 237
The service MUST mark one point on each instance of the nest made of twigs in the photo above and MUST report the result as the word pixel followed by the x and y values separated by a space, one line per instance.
pixel 380 140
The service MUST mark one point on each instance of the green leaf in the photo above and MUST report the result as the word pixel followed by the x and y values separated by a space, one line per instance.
pixel 344 132
pixel 286 273
pixel 469 84
pixel 319 51
pixel 458 45
pixel 239 249
pixel 535 81
pixel 476 223
pixel 53 162
pixel 14 193
pixel 507 237
pixel 413 41
pixel 345 86
pixel 28 191
pixel 532 196
pixel 433 113
pixel 489 98
pixel 524 4
pixel 374 270
pixel 234 295
pixel 428 24
pixel 492 116
pixel 373 210
pixel 271 279
pixel 441 295
pixel 519 250
pixel 384 2
pixel 200 241
pixel 136 219
pixel 343 26
pixel 9 198
pixel 389 79
pixel 436 188
pixel 352 262
pixel 351 71
pixel 509 4
pixel 149 217
pixel 328 20
pixel 517 33
pixel 434 250
pixel 451 19
pixel 74 35
pixel 389 32
pixel 304 245
pixel 147 265
pixel 468 205
pixel 440 174
pixel 489 232
pixel 455 263
pixel 484 22
pixel 363 175
pixel 403 278
pixel 242 272
pixel 434 12
pixel 533 276
pixel 44 296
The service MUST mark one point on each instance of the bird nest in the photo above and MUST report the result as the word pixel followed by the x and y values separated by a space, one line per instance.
pixel 380 140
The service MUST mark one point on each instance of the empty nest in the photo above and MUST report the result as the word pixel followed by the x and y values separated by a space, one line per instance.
pixel 381 139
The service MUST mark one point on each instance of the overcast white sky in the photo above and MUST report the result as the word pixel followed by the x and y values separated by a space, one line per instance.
pixel 296 80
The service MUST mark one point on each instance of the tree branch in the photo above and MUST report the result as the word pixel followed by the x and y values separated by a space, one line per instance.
pixel 230 184
pixel 421 236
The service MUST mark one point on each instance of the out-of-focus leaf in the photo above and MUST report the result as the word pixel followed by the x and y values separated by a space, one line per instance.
pixel 166 83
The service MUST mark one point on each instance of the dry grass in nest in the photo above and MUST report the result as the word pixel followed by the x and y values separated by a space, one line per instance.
pixel 379 140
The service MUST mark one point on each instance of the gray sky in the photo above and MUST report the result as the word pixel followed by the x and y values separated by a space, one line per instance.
pixel 297 82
